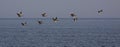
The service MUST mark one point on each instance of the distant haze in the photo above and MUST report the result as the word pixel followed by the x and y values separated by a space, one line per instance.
pixel 60 8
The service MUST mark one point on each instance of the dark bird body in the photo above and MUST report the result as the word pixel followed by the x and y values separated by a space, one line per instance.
pixel 72 14
pixel 55 19
pixel 40 22
pixel 43 14
pixel 19 14
pixel 100 11
pixel 23 23
pixel 74 17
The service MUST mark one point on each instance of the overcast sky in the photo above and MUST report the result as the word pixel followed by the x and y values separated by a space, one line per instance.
pixel 60 8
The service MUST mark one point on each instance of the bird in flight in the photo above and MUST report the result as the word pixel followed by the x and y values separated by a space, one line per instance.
pixel 20 14
pixel 39 22
pixel 44 14
pixel 72 14
pixel 100 11
pixel 55 19
pixel 74 17
pixel 23 23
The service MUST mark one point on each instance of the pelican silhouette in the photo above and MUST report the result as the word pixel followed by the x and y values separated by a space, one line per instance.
pixel 44 14
pixel 23 23
pixel 72 14
pixel 100 11
pixel 40 22
pixel 20 14
pixel 55 19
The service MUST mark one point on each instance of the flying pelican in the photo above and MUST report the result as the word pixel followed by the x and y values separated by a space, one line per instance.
pixel 20 14
pixel 55 19
pixel 72 14
pixel 23 23
pixel 40 22
pixel 44 14
pixel 100 11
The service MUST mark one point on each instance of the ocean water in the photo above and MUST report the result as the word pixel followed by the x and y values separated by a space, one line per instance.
pixel 85 32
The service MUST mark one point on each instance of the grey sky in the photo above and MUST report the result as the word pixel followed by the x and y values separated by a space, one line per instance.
pixel 60 8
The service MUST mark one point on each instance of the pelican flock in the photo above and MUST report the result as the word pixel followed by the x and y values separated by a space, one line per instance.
pixel 43 15
pixel 20 14
pixel 55 19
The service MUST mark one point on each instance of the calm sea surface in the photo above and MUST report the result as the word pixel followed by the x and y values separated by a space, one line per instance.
pixel 85 32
